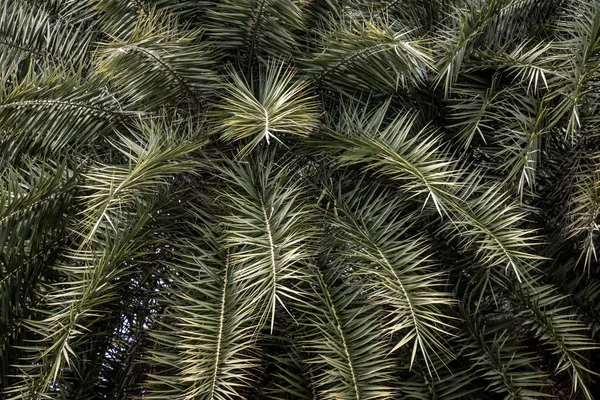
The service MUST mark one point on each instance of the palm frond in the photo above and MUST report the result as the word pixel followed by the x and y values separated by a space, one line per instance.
pixel 531 64
pixel 577 57
pixel 395 272
pixel 280 105
pixel 255 28
pixel 522 146
pixel 32 230
pixel 501 358
pixel 475 109
pixel 392 148
pixel 268 233
pixel 30 36
pixel 215 353
pixel 349 357
pixel 458 38
pixel 560 330
pixel 154 154
pixel 106 237
pixel 369 55
pixel 181 67
pixel 59 111
pixel 117 18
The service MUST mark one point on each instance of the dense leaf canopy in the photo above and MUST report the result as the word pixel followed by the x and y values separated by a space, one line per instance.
pixel 299 199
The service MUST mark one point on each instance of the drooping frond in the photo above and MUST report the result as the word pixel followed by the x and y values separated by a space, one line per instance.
pixel 349 357
pixel 214 349
pixel 530 64
pixel 32 230
pixel 396 272
pixel 416 160
pixel 89 285
pixel 490 226
pixel 55 111
pixel 108 236
pixel 154 153
pixel 268 233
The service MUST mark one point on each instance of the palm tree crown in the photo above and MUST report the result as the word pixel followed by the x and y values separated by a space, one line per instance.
pixel 289 199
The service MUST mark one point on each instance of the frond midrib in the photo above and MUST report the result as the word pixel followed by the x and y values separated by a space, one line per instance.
pixel 341 333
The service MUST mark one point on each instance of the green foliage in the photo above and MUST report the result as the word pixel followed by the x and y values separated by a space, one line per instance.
pixel 370 55
pixel 249 28
pixel 279 105
pixel 299 199
pixel 156 64
pixel 210 321
pixel 349 356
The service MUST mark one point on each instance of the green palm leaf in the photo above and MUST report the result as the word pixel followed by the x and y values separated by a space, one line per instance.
pixel 279 106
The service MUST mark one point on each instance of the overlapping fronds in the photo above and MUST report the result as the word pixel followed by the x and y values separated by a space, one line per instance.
pixel 291 374
pixel 577 56
pixel 507 125
pixel 154 154
pixel 74 12
pixel 459 37
pixel 90 284
pixel 490 225
pixel 502 358
pixel 55 111
pixel 30 38
pixel 32 203
pixel 559 329
pixel 251 28
pixel 475 110
pixel 584 212
pixel 453 381
pixel 422 167
pixel 108 234
pixel 292 199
